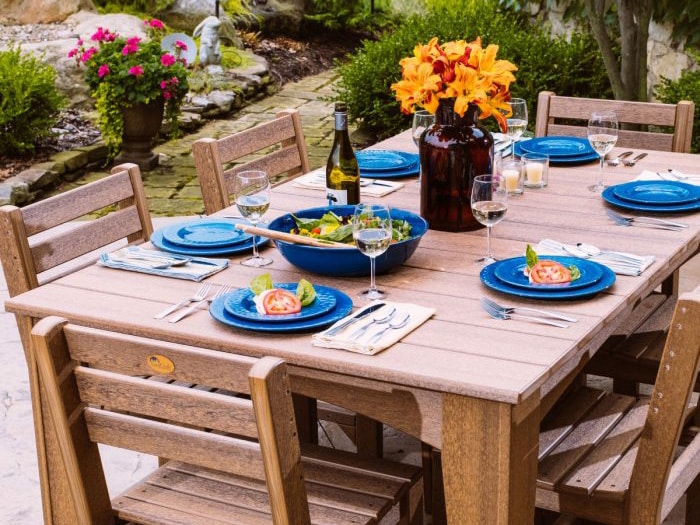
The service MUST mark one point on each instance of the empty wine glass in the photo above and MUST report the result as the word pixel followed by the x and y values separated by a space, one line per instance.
pixel 422 119
pixel 252 191
pixel 372 231
pixel 517 122
pixel 602 134
pixel 489 206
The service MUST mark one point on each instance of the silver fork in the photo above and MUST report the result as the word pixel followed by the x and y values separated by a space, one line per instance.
pixel 498 314
pixel 198 296
pixel 187 311
pixel 512 309
pixel 651 222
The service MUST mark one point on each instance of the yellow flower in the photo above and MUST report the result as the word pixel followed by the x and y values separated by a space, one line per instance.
pixel 461 70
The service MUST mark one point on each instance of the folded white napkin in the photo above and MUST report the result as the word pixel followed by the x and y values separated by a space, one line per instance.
pixel 316 180
pixel 673 175
pixel 365 344
pixel 631 265
pixel 197 269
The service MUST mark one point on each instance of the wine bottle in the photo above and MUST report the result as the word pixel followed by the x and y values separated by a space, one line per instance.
pixel 342 171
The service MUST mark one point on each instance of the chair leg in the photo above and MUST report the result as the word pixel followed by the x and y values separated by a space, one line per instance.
pixel 369 437
pixel 426 454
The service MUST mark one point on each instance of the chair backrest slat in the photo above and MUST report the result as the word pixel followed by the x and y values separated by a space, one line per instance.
pixel 32 240
pixel 185 405
pixel 551 109
pixel 278 144
pixel 206 449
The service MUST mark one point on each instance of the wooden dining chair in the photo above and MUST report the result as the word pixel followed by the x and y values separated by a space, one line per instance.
pixel 619 459
pixel 558 115
pixel 35 247
pixel 233 459
pixel 276 147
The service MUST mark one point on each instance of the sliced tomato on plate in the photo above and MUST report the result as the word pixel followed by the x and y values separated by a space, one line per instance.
pixel 281 302
pixel 549 272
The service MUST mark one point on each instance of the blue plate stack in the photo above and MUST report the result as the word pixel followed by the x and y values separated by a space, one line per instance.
pixel 205 237
pixel 386 164
pixel 561 150
pixel 662 196
pixel 238 309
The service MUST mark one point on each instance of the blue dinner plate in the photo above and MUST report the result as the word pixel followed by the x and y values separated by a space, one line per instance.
pixel 163 244
pixel 611 198
pixel 385 160
pixel 343 306
pixel 510 271
pixel 488 277
pixel 556 146
pixel 205 233
pixel 408 171
pixel 657 192
pixel 576 159
pixel 241 304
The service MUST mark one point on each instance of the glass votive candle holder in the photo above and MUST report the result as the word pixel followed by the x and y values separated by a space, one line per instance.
pixel 536 169
pixel 512 170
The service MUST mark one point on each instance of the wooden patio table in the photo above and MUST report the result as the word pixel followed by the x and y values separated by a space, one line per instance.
pixel 463 382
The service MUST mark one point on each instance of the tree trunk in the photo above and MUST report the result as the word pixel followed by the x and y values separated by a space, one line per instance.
pixel 596 10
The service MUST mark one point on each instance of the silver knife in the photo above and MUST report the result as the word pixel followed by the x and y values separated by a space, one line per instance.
pixel 361 315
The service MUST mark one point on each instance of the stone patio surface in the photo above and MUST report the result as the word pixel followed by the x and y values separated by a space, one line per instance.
pixel 172 190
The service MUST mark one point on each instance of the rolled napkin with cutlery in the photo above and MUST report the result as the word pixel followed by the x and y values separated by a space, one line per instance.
pixel 621 263
pixel 316 180
pixel 670 174
pixel 400 320
pixel 155 262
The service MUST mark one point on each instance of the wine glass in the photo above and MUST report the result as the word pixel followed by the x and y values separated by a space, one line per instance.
pixel 422 119
pixel 489 206
pixel 252 191
pixel 602 134
pixel 517 122
pixel 372 231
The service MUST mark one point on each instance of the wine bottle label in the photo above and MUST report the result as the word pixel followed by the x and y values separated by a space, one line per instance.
pixel 336 197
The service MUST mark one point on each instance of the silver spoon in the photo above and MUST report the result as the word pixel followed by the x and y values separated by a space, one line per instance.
pixel 630 163
pixel 619 158
pixel 378 318
pixel 395 324
pixel 594 251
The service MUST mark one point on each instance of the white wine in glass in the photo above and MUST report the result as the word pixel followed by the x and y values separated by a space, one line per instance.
pixel 517 122
pixel 489 201
pixel 252 190
pixel 372 231
pixel 602 135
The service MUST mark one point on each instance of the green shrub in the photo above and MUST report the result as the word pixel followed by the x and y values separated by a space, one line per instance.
pixel 544 63
pixel 687 87
pixel 29 101
pixel 354 15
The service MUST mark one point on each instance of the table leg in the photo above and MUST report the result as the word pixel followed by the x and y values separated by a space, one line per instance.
pixel 489 460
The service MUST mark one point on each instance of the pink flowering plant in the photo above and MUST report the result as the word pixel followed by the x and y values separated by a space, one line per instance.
pixel 122 72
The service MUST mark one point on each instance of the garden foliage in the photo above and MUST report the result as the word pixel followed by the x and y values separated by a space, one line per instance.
pixel 29 101
pixel 569 68
pixel 687 87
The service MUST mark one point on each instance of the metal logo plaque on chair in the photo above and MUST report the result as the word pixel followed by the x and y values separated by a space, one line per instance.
pixel 452 152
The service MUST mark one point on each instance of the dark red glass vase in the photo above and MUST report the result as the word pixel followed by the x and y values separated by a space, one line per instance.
pixel 452 152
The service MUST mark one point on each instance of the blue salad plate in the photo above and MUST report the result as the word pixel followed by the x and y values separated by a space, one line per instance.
pixel 343 306
pixel 205 233
pixel 610 196
pixel 387 164
pixel 561 150
pixel 241 303
pixel 219 247
pixel 519 285
pixel 657 193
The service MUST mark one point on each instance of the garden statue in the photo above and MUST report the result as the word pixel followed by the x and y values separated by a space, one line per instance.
pixel 209 49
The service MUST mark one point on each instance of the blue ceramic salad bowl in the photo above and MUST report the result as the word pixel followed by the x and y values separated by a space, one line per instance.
pixel 343 262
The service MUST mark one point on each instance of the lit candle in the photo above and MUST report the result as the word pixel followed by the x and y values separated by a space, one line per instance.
pixel 534 170
pixel 511 177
